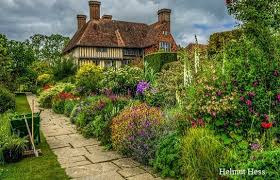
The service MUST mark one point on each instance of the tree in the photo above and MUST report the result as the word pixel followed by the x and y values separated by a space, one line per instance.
pixel 260 20
pixel 6 64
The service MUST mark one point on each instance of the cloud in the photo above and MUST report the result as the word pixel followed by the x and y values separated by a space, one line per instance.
pixel 21 19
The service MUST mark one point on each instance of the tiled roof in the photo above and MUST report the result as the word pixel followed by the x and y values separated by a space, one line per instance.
pixel 112 33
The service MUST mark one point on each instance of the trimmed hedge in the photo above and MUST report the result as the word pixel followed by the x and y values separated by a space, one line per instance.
pixel 155 61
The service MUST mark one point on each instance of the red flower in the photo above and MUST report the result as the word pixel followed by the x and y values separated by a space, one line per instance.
pixel 65 96
pixel 46 87
pixel 249 103
pixel 266 125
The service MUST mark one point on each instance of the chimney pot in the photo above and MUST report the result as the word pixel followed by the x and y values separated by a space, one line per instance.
pixel 94 10
pixel 81 20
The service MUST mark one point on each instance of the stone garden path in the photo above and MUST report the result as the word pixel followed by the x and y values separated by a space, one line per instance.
pixel 84 159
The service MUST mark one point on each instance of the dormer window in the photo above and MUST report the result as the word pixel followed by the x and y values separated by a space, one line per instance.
pixel 165 46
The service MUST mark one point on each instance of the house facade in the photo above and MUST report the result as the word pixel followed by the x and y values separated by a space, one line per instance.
pixel 107 42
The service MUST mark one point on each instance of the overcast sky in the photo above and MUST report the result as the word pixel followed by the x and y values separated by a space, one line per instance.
pixel 20 19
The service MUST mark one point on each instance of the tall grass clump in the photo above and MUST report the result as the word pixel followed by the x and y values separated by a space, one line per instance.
pixel 202 154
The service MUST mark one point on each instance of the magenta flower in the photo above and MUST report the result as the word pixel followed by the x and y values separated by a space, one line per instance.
pixel 276 73
pixel 255 83
pixel 249 103
pixel 278 97
pixel 219 93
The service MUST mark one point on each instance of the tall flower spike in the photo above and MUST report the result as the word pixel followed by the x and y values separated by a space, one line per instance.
pixel 196 56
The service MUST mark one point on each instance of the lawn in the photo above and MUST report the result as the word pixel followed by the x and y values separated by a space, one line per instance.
pixel 45 167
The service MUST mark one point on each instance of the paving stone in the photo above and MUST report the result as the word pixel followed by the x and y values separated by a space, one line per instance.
pixel 105 176
pixel 68 160
pixel 126 163
pixel 128 172
pixel 70 152
pixel 102 156
pixel 145 176
pixel 92 170
pixel 75 164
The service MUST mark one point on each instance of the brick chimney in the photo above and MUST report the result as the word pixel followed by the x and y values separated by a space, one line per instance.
pixel 164 17
pixel 94 10
pixel 81 20
pixel 107 17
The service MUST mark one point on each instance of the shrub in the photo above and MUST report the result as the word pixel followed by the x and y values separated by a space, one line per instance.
pixel 46 97
pixel 69 106
pixel 88 78
pixel 11 147
pixel 122 80
pixel 93 116
pixel 202 154
pixel 63 68
pixel 267 161
pixel 44 79
pixel 135 131
pixel 58 101
pixel 168 156
pixel 7 100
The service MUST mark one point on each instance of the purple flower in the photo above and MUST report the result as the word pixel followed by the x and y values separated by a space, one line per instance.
pixel 255 146
pixel 142 87
pixel 266 117
pixel 219 93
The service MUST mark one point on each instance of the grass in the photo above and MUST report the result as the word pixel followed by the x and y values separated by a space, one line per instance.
pixel 22 105
pixel 45 167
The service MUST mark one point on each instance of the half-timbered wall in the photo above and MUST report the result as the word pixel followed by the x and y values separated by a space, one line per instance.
pixel 105 53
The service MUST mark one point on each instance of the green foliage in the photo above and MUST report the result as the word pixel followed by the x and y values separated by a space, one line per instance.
pixel 122 80
pixel 260 20
pixel 154 62
pixel 6 64
pixel 48 47
pixel 93 116
pixel 58 105
pixel 168 156
pixel 46 97
pixel 63 68
pixel 44 79
pixel 218 41
pixel 202 154
pixel 69 106
pixel 88 78
pixel 266 161
pixel 7 100
pixel 11 147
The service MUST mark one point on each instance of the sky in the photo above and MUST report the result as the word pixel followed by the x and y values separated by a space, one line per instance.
pixel 20 19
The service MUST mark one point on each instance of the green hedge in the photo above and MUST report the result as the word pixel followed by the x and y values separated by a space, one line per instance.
pixel 155 61
pixel 7 100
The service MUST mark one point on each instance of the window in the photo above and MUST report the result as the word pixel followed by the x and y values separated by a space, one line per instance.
pixel 131 52
pixel 165 33
pixel 101 49
pixel 165 46
pixel 96 62
pixel 125 62
pixel 108 63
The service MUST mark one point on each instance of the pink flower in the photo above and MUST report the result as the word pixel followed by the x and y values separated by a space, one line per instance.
pixel 249 103
pixel 251 94
pixel 242 98
pixel 256 83
pixel 266 117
